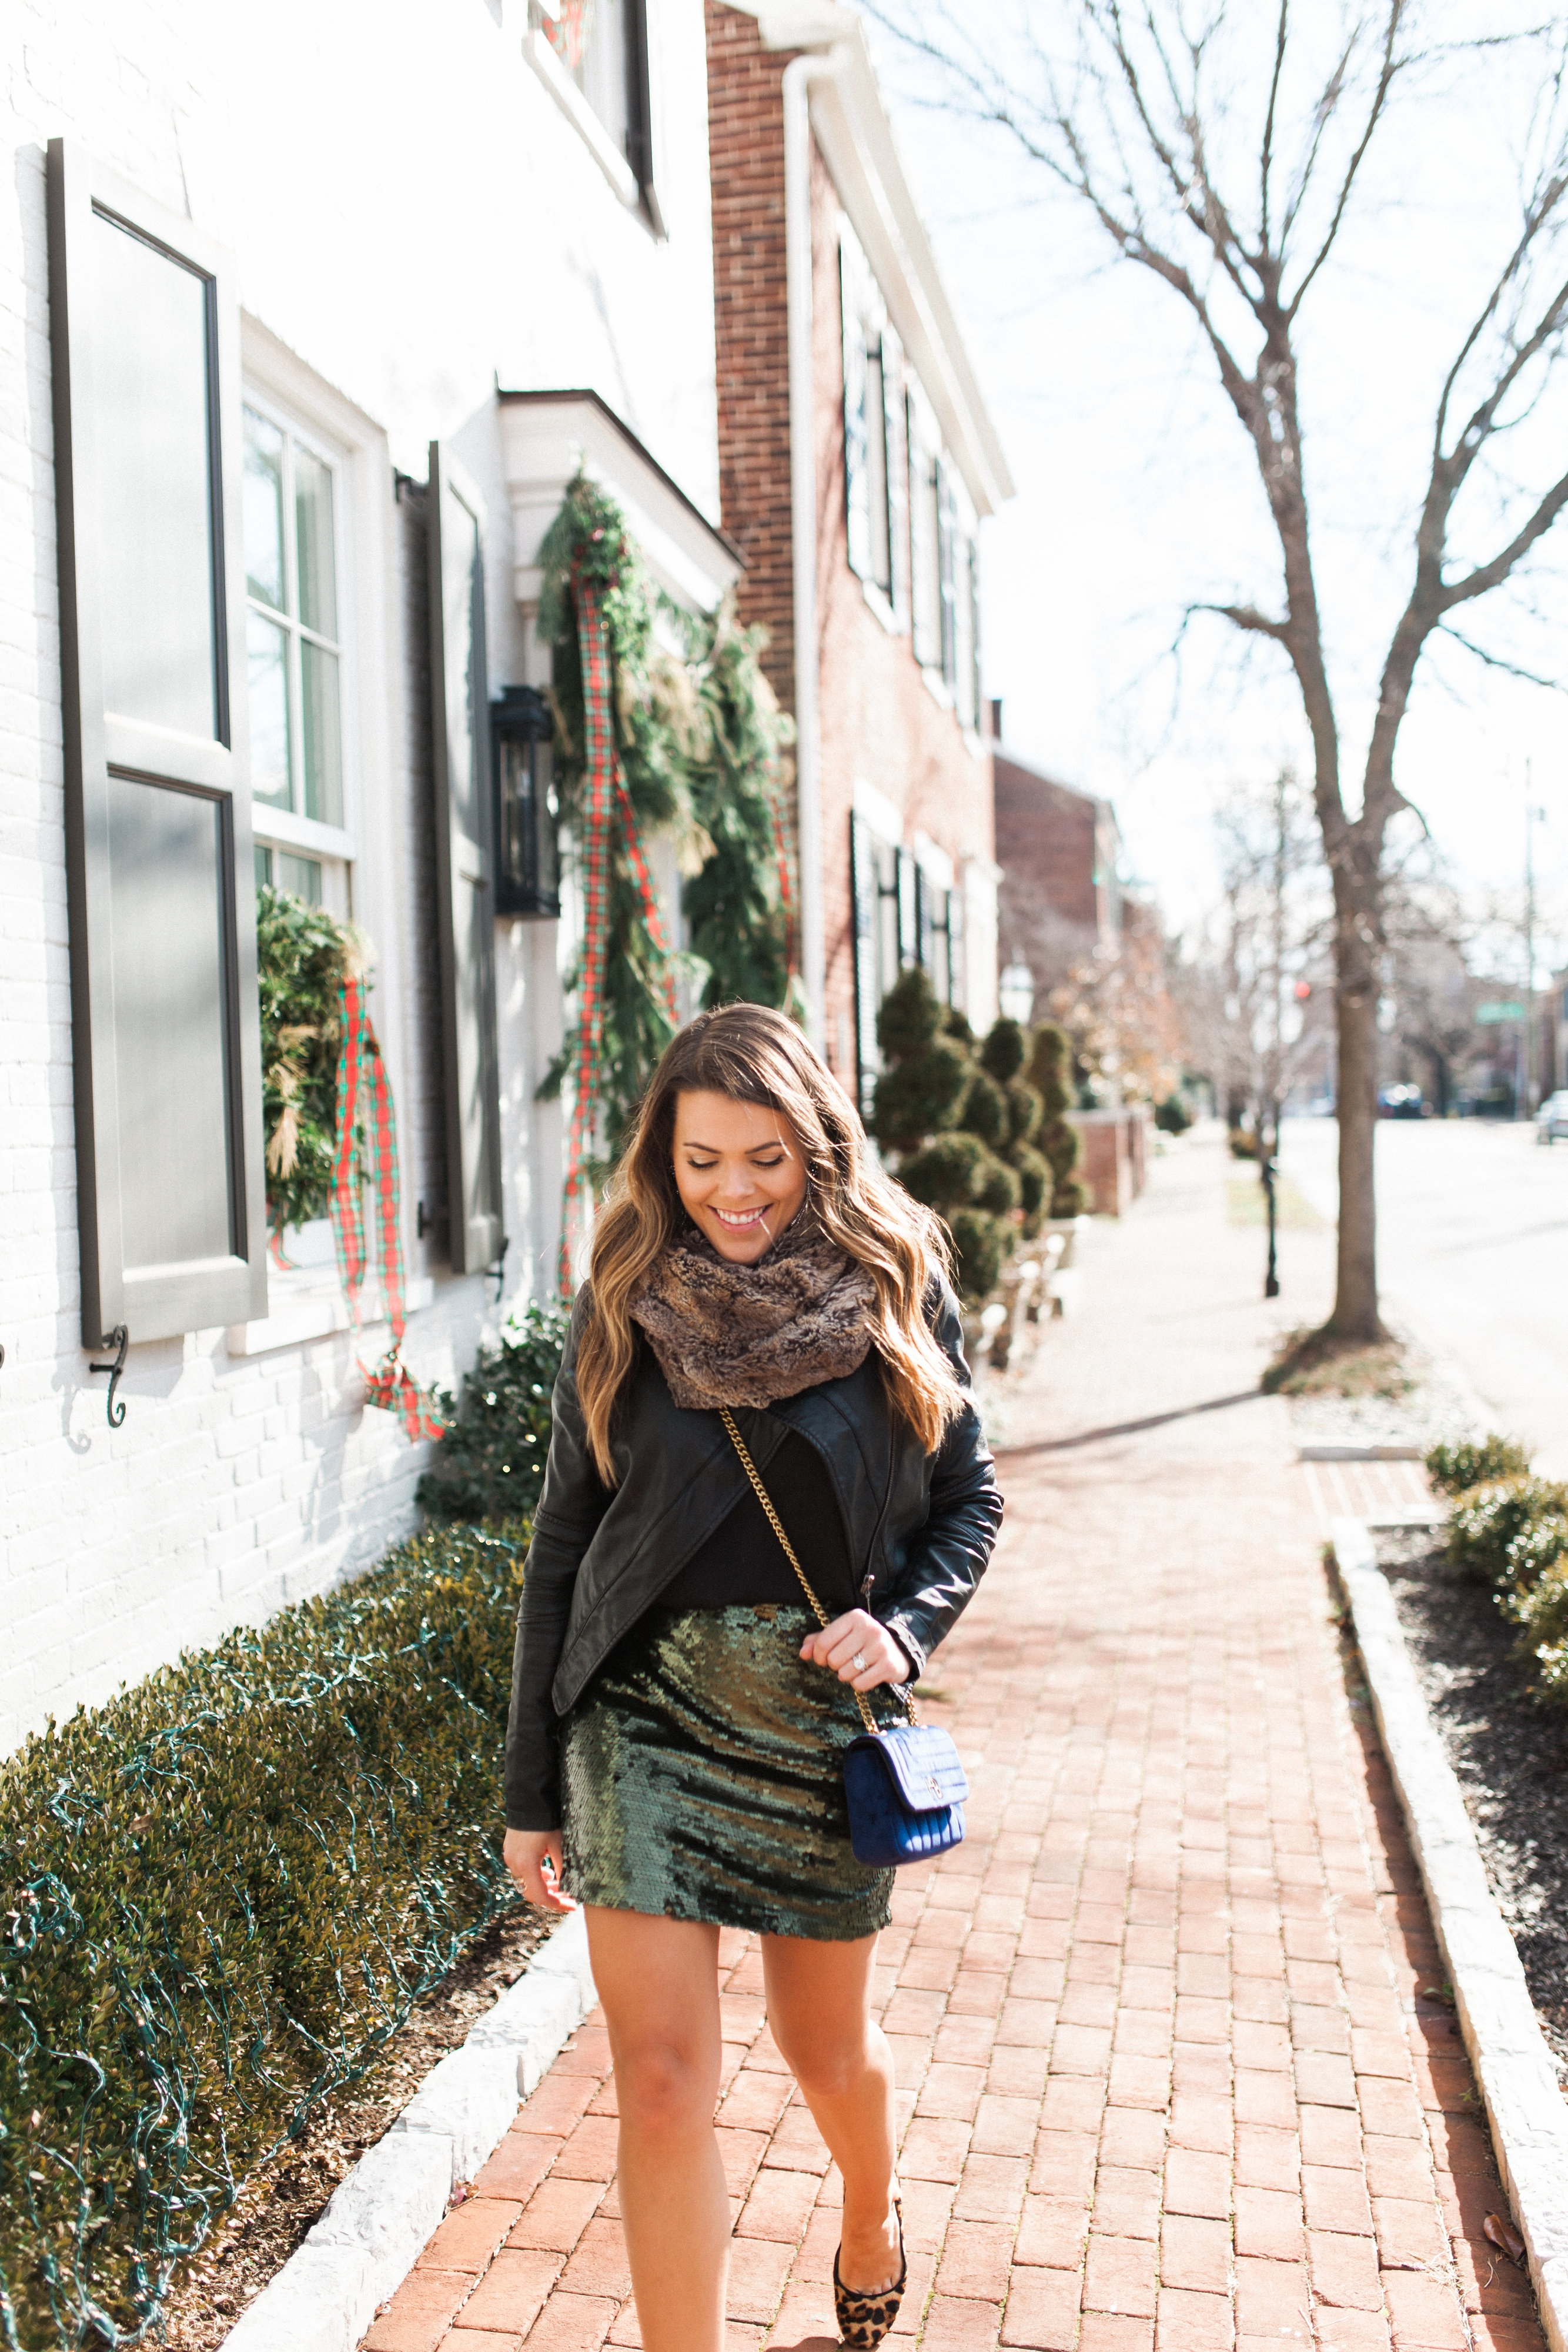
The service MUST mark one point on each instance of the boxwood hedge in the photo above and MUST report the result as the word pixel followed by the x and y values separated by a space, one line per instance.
pixel 223 1891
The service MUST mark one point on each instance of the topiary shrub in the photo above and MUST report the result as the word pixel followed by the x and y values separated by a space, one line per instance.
pixel 947 1169
pixel 1034 1186
pixel 979 1245
pixel 490 1465
pixel 226 1889
pixel 1484 1523
pixel 921 1096
pixel 1050 1073
pixel 985 1111
pixel 1455 1469
pixel 1005 1051
pixel 1172 1117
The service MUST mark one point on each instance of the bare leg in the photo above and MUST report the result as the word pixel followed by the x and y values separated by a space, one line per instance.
pixel 819 2006
pixel 658 1983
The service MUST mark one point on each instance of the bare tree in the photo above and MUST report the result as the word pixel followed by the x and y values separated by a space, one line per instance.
pixel 1131 124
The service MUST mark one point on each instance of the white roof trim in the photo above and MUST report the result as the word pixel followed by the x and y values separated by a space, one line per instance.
pixel 547 436
pixel 862 154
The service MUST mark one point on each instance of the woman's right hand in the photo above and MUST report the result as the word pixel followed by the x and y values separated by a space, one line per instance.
pixel 535 1860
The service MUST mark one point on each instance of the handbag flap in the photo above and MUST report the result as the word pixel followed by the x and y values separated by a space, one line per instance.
pixel 923 1764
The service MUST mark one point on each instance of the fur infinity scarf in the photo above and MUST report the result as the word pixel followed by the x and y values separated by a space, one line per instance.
pixel 749 1335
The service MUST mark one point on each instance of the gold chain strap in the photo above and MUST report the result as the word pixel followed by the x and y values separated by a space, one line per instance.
pixel 749 1466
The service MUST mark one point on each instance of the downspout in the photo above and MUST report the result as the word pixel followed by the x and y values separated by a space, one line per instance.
pixel 798 76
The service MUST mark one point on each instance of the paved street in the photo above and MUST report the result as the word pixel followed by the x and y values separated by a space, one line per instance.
pixel 1473 1236
pixel 1174 2074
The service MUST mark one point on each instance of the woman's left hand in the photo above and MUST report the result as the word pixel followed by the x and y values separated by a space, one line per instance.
pixel 859 1649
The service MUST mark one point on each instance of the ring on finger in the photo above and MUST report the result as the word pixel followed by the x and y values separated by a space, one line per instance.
pixel 857 1662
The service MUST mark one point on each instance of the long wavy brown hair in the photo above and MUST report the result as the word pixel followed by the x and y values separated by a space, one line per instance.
pixel 756 1055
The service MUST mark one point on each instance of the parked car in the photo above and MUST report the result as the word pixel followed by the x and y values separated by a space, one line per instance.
pixel 1551 1118
pixel 1402 1102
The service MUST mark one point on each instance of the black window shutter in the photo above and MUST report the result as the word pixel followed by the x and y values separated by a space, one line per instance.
pixel 857 483
pixel 895 430
pixel 863 886
pixel 464 864
pixel 171 1181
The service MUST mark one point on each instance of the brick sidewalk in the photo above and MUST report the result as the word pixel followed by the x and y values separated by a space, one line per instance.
pixel 1173 2070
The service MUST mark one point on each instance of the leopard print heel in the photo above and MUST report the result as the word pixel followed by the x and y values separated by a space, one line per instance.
pixel 865 2319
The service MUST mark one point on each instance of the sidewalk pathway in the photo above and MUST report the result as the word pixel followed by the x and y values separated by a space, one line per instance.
pixel 1174 2069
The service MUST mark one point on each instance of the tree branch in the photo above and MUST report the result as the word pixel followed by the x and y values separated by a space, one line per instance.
pixel 1373 116
pixel 1492 575
pixel 1496 661
pixel 1248 618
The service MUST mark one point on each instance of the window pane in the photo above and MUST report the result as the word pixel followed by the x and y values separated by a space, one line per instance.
pixel 323 747
pixel 155 484
pixel 313 532
pixel 300 875
pixel 263 864
pixel 263 510
pixel 269 732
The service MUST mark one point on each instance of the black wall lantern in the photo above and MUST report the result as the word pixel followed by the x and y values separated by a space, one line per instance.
pixel 528 879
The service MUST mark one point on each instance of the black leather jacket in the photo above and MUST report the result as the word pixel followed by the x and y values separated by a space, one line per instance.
pixel 922 1526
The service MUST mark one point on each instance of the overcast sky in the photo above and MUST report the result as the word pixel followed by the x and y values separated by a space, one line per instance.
pixel 1138 494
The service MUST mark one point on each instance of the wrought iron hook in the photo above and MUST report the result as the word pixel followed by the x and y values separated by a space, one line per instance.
pixel 120 1338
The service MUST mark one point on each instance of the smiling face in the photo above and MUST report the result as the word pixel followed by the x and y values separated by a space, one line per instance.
pixel 739 1172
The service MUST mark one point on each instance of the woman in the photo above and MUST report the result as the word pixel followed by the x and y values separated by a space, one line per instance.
pixel 678 1718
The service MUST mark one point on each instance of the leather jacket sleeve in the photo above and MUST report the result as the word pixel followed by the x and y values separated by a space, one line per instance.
pixel 575 1498
pixel 945 1559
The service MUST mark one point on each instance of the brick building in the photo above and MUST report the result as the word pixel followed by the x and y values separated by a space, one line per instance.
pixel 1059 850
pixel 270 540
pixel 856 462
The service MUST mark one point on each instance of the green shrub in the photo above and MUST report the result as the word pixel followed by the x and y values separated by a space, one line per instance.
pixel 1539 1548
pixel 912 1016
pixel 1172 1117
pixel 946 1171
pixel 985 1111
pixel 1540 1612
pixel 1005 1051
pixel 999 1189
pixel 1484 1523
pixel 1034 1186
pixel 1025 1111
pixel 979 1243
pixel 1455 1469
pixel 301 953
pixel 491 1462
pixel 226 1889
pixel 1050 1073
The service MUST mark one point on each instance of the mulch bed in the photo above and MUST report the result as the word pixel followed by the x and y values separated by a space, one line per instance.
pixel 1510 1753
pixel 279 2207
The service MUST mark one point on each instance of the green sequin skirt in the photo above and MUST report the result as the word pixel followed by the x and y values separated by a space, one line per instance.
pixel 703 1774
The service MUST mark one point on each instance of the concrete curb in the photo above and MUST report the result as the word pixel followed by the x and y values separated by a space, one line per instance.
pixel 384 2214
pixel 1513 2066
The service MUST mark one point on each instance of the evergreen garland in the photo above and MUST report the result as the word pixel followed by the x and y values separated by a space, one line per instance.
pixel 699 738
pixel 302 953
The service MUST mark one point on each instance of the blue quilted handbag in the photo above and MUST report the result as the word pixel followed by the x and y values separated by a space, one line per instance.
pixel 907 1791
pixel 905 1786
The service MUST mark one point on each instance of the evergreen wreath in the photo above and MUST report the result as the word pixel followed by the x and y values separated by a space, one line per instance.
pixel 302 955
pixel 701 741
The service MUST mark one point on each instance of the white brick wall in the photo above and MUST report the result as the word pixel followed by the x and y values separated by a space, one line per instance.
pixel 416 220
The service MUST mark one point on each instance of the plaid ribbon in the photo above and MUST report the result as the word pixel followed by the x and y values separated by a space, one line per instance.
pixel 607 799
pixel 363 1087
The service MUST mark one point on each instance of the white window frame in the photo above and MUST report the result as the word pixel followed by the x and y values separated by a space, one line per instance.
pixel 333 846
pixel 366 851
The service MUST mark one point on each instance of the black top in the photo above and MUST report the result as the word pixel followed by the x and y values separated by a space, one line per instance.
pixel 743 1559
